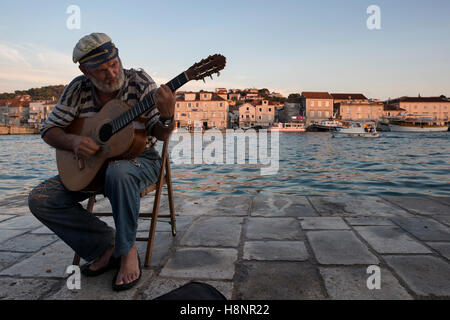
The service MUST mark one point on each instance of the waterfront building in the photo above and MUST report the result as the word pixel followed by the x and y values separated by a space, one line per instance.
pixel 257 113
pixel 16 111
pixel 222 92
pixel 355 106
pixel 206 108
pixel 316 106
pixel 437 108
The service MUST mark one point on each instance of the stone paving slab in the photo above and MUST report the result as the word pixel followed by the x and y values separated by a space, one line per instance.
pixel 339 247
pixel 26 289
pixel 21 222
pixel 445 200
pixel 54 258
pixel 420 205
pixel 273 228
pixel 7 259
pixel 213 232
pixel 42 230
pixel 28 243
pixel 4 217
pixel 6 234
pixel 160 286
pixel 282 207
pixel 356 205
pixel 100 288
pixel 275 250
pixel 387 239
pixel 327 223
pixel 425 275
pixel 443 219
pixel 213 205
pixel 369 221
pixel 258 280
pixel 350 283
pixel 424 229
pixel 164 241
pixel 201 263
pixel 442 247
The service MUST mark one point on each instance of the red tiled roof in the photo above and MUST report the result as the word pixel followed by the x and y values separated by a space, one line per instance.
pixel 316 95
pixel 214 97
pixel 348 96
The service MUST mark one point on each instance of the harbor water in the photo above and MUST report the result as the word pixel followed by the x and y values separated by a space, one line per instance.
pixel 309 164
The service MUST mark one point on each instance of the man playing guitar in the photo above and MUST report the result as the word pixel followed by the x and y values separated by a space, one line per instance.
pixel 103 80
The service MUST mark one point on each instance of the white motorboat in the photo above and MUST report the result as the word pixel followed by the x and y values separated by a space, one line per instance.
pixel 357 129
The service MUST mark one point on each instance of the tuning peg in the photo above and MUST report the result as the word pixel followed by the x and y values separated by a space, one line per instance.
pixel 204 80
pixel 218 73
pixel 211 77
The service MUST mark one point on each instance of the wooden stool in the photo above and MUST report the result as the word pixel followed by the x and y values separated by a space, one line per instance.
pixel 163 179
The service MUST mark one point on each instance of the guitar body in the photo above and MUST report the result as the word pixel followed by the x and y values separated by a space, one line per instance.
pixel 88 175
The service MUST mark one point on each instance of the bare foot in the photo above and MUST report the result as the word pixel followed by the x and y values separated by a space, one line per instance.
pixel 102 261
pixel 129 267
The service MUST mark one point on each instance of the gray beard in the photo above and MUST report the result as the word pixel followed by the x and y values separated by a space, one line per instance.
pixel 110 88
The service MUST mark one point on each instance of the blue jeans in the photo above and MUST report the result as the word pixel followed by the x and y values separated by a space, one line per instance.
pixel 59 209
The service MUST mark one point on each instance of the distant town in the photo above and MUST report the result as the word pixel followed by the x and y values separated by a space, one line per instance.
pixel 237 108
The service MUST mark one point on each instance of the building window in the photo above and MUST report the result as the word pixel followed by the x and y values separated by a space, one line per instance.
pixel 270 109
pixel 260 109
pixel 327 103
pixel 253 116
pixel 221 104
pixel 319 113
pixel 259 117
pixel 196 104
pixel 178 105
pixel 311 103
pixel 319 103
pixel 248 109
pixel 189 104
pixel 311 114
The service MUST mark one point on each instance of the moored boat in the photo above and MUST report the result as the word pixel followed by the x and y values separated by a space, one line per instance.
pixel 288 127
pixel 416 124
pixel 328 125
pixel 357 129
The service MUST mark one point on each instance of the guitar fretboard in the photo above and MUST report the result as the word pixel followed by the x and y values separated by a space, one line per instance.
pixel 146 104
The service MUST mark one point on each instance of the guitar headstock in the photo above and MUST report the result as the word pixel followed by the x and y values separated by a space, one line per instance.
pixel 206 67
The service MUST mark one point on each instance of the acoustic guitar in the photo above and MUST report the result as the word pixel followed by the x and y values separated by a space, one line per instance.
pixel 119 131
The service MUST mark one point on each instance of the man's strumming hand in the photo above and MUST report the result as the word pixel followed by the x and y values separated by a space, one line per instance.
pixel 165 101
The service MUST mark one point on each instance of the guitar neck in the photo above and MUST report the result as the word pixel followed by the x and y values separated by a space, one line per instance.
pixel 146 104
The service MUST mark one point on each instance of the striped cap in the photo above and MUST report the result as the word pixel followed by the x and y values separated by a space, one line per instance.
pixel 94 49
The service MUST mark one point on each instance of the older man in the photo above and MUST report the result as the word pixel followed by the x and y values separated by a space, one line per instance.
pixel 104 79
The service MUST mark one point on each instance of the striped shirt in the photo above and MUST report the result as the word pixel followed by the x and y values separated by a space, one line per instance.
pixel 77 101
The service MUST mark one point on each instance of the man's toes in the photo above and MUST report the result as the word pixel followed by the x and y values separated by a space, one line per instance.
pixel 119 280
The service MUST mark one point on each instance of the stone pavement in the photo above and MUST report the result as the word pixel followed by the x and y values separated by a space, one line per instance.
pixel 278 247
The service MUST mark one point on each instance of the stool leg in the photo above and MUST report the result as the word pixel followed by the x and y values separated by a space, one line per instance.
pixel 170 193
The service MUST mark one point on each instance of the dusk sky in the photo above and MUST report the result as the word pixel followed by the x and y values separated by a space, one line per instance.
pixel 285 46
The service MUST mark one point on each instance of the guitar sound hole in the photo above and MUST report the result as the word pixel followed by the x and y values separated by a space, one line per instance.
pixel 105 132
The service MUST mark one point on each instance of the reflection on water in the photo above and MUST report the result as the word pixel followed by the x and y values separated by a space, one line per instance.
pixel 309 164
